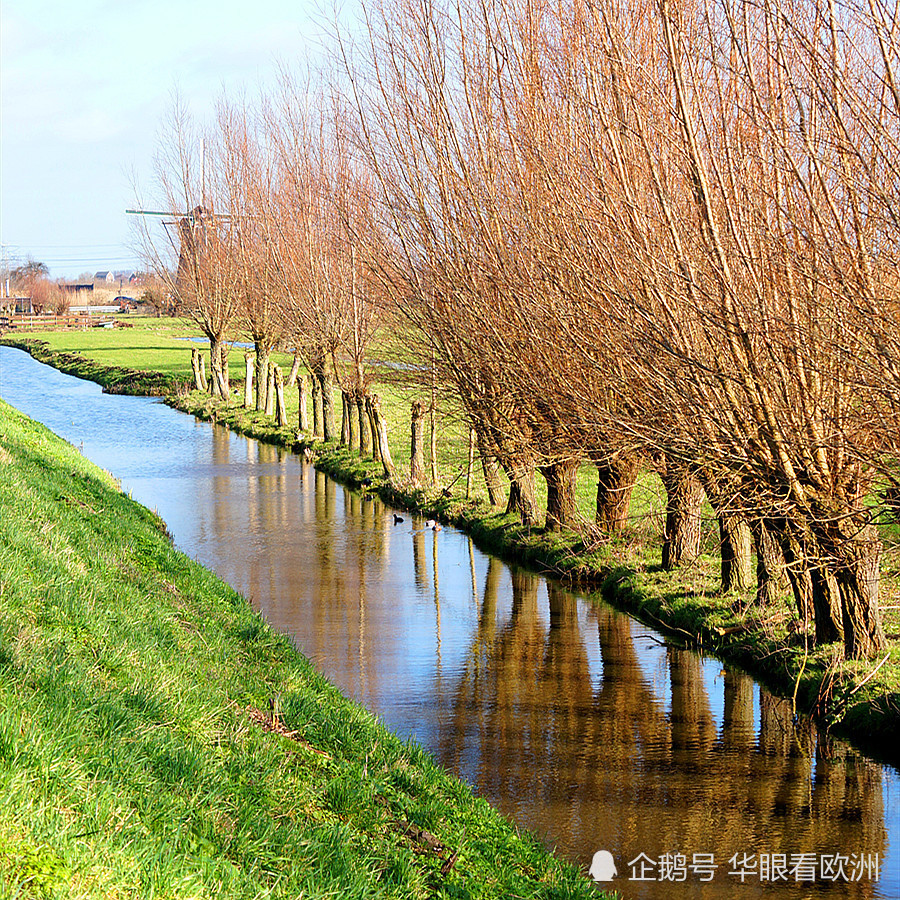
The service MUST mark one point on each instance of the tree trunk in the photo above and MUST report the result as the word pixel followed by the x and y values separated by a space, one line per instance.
pixel 195 368
pixel 684 496
pixel 270 391
pixel 797 568
pixel 417 452
pixel 204 386
pixel 317 406
pixel 470 463
pixel 826 601
pixel 373 403
pixel 522 499
pixel 362 420
pixel 561 480
pixel 616 477
pixel 248 381
pixel 814 585
pixel 327 405
pixel 220 376
pixel 223 368
pixel 770 579
pixel 223 385
pixel 280 412
pixel 491 469
pixel 735 538
pixel 858 553
pixel 295 370
pixel 214 357
pixel 373 427
pixel 736 544
pixel 262 377
pixel 352 422
pixel 345 419
pixel 302 391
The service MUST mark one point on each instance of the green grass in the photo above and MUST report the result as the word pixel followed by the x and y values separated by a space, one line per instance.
pixel 138 754
pixel 158 347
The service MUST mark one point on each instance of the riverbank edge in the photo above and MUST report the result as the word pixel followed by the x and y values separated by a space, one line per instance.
pixel 840 696
pixel 113 379
pixel 401 800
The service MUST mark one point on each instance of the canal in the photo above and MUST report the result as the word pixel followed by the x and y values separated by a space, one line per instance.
pixel 572 718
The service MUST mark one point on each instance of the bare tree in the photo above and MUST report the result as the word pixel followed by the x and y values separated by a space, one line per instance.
pixel 192 175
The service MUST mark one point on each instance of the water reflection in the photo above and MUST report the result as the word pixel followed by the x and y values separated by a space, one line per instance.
pixel 572 718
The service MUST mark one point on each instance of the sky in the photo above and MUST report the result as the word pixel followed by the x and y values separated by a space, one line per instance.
pixel 85 86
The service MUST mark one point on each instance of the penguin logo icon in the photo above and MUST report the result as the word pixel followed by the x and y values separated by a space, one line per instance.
pixel 603 866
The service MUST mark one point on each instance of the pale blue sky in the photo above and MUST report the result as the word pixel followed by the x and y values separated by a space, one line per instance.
pixel 84 88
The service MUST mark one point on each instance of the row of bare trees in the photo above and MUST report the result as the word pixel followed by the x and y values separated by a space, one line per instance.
pixel 32 279
pixel 270 232
pixel 660 233
pixel 630 234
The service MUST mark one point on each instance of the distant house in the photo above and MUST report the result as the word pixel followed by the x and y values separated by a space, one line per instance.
pixel 108 277
pixel 9 305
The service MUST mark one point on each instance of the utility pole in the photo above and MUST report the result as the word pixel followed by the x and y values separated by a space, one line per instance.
pixel 4 270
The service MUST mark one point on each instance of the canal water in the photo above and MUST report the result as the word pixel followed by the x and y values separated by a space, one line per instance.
pixel 573 719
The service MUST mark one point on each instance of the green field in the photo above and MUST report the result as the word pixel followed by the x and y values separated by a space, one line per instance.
pixel 158 739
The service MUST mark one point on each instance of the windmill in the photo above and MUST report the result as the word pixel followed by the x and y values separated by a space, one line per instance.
pixel 192 232
pixel 192 239
pixel 192 227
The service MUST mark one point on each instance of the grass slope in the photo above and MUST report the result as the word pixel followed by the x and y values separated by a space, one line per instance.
pixel 158 739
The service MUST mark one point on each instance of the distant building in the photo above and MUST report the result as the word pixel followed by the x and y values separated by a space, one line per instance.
pixel 108 277
pixel 78 288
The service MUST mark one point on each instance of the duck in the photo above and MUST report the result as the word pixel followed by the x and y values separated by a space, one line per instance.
pixel 397 519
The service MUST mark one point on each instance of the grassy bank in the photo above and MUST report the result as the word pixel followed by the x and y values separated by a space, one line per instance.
pixel 115 379
pixel 158 739
pixel 858 700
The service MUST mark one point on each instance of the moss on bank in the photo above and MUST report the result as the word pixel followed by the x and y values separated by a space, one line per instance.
pixel 851 698
pixel 157 738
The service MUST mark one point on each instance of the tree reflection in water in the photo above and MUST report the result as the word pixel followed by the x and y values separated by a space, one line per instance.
pixel 635 767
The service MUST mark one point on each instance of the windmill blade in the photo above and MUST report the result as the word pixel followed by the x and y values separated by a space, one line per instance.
pixel 193 216
pixel 153 212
